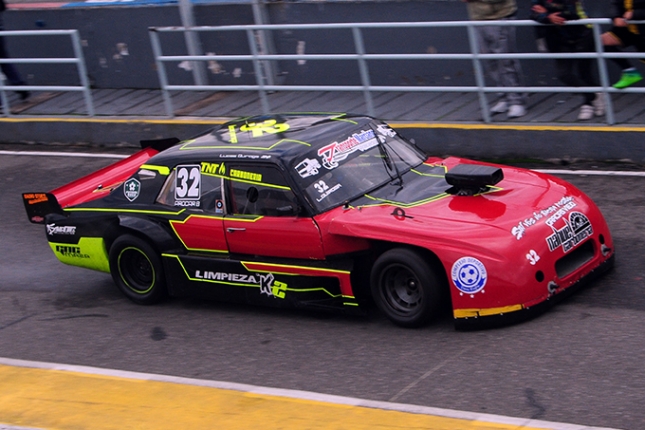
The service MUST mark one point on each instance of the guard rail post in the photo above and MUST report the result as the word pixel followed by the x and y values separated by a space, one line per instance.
pixel 78 60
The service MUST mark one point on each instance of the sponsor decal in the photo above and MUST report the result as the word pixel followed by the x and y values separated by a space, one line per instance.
pixel 70 251
pixel 338 151
pixel 131 189
pixel 267 283
pixel 385 130
pixel 53 229
pixel 575 230
pixel 270 126
pixel 554 212
pixel 249 176
pixel 34 198
pixel 308 167
pixel 219 206
pixel 469 275
pixel 188 203
pixel 213 168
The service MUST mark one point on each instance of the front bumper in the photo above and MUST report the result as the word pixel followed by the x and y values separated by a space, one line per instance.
pixel 520 313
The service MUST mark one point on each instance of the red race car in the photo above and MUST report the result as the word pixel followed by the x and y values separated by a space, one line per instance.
pixel 327 211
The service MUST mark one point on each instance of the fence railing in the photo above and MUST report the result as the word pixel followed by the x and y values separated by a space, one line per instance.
pixel 264 85
pixel 78 60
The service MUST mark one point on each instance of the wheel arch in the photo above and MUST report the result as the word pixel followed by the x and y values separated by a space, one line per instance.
pixel 151 231
pixel 380 247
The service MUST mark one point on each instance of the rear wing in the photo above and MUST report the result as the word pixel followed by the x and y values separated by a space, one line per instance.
pixel 38 205
pixel 93 186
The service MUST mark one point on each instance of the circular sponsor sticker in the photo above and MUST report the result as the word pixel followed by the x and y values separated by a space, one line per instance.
pixel 469 275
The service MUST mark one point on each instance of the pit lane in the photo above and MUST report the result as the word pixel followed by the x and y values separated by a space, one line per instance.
pixel 579 363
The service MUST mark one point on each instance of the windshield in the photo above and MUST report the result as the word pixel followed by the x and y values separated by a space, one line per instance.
pixel 354 165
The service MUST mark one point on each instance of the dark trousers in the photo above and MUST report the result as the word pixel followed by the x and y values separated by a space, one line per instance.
pixel 10 72
pixel 575 72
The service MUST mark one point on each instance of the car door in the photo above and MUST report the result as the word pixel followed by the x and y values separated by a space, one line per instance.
pixel 264 216
pixel 197 190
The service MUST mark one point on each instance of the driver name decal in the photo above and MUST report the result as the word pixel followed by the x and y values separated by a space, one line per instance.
pixel 338 151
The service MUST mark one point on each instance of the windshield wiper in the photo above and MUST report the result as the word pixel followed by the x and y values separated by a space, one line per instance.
pixel 390 164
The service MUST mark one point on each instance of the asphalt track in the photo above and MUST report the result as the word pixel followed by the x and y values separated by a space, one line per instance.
pixel 581 362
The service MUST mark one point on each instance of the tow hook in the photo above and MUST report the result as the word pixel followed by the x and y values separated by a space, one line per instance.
pixel 552 287
pixel 604 249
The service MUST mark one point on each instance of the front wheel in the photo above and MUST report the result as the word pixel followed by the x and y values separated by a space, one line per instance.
pixel 405 287
pixel 137 270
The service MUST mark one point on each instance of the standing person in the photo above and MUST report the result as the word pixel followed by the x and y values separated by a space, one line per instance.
pixel 9 70
pixel 624 35
pixel 560 38
pixel 494 39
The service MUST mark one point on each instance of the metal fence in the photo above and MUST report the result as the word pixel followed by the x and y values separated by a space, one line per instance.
pixel 265 83
pixel 78 60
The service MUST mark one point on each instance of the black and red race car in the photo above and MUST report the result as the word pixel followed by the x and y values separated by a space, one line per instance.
pixel 327 211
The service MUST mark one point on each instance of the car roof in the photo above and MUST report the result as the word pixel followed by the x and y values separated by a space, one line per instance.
pixel 274 138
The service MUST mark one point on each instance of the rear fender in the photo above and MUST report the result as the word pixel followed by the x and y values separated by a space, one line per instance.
pixel 154 232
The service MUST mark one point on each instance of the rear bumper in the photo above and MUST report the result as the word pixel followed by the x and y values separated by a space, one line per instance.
pixel 521 313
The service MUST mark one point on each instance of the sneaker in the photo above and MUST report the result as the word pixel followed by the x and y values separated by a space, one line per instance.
pixel 500 107
pixel 516 111
pixel 586 112
pixel 627 79
pixel 24 95
pixel 599 104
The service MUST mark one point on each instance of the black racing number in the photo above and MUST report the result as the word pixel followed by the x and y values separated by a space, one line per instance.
pixel 188 182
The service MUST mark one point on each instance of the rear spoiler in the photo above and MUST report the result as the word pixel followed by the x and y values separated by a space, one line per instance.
pixel 92 186
pixel 38 205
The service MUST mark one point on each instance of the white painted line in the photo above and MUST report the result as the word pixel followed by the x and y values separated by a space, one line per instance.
pixel 120 156
pixel 591 172
pixel 303 395
pixel 62 154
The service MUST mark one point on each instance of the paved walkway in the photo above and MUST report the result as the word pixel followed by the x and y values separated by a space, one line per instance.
pixel 543 108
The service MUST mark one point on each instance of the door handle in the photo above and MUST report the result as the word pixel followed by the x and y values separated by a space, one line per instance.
pixel 234 229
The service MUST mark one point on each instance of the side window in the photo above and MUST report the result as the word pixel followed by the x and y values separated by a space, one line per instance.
pixel 187 186
pixel 260 190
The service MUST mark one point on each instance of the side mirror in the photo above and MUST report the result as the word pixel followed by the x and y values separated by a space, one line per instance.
pixel 252 194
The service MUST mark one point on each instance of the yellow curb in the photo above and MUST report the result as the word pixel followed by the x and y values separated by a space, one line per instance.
pixel 55 399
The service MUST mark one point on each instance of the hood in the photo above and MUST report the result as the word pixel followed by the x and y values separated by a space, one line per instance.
pixel 524 204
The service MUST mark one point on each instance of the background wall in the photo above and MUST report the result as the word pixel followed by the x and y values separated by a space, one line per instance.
pixel 119 55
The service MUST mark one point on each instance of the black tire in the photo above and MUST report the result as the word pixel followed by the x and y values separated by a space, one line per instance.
pixel 406 287
pixel 137 270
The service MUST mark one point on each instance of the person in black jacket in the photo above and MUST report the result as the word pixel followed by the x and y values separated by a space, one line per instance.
pixel 10 72
pixel 560 38
pixel 624 35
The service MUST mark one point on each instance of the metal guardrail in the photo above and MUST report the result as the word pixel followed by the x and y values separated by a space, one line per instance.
pixel 362 57
pixel 77 59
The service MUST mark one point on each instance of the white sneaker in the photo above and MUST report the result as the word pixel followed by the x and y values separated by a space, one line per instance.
pixel 599 104
pixel 586 112
pixel 516 111
pixel 500 107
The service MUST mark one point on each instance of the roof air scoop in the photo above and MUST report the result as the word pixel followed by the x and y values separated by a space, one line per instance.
pixel 471 179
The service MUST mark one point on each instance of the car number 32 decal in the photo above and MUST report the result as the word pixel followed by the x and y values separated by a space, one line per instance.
pixel 188 182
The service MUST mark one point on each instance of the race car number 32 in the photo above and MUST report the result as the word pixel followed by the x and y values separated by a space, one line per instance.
pixel 188 182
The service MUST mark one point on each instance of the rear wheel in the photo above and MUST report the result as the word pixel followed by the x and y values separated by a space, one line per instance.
pixel 137 270
pixel 405 287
